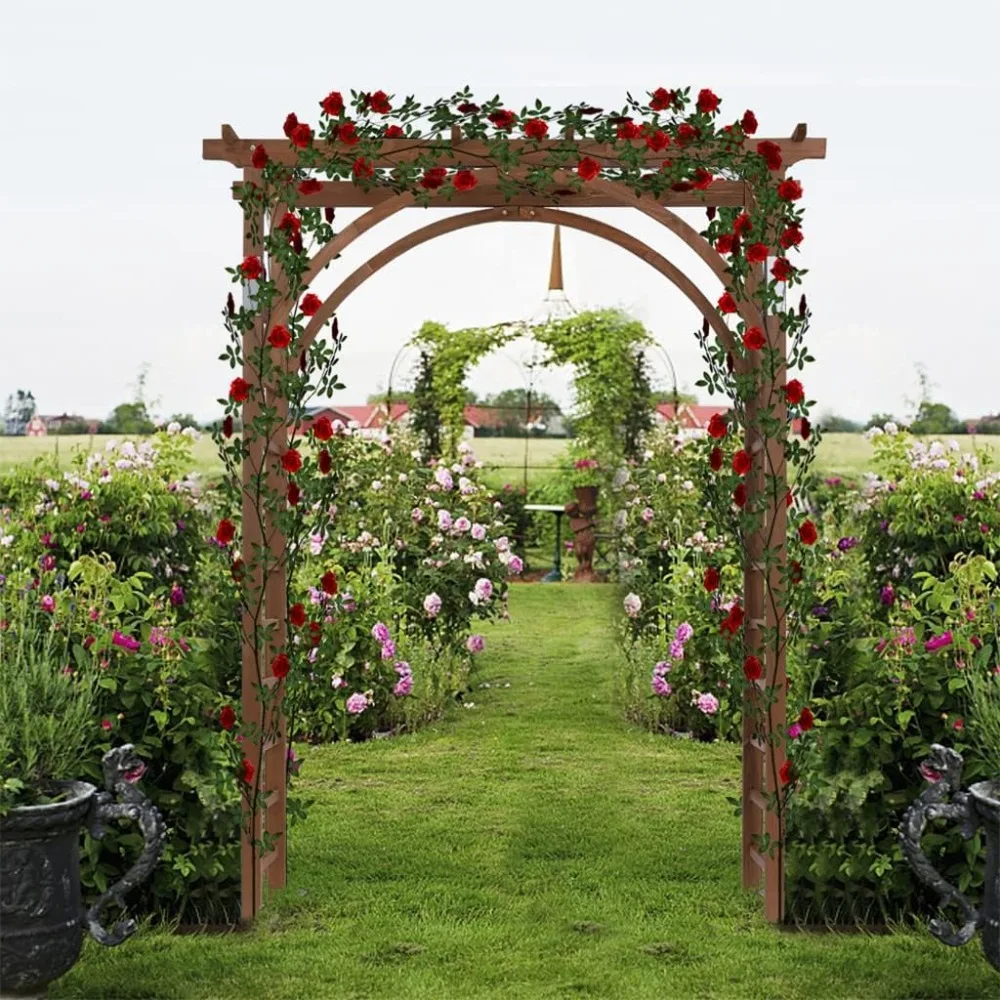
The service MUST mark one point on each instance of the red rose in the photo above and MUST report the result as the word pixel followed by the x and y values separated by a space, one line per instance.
pixel 333 103
pixel 325 462
pixel 329 583
pixel 708 103
pixel 290 222
pixel 238 570
pixel 748 123
pixel 588 168
pixel 322 428
pixel 227 427
pixel 393 132
pixel 789 500
pixel 740 495
pixel 724 244
pixel 239 390
pixel 805 428
pixel 686 133
pixel 757 253
pixel 727 304
pixel 251 268
pixel 297 615
pixel 225 532
pixel 717 426
pixel 796 573
pixel 806 719
pixel 293 494
pixel 742 462
pixel 362 168
pixel 753 338
pixel 258 158
pixel 789 190
pixel 657 141
pixel 464 180
pixel 310 186
pixel 791 237
pixel 468 108
pixel 808 533
pixel 715 459
pixel 379 102
pixel 627 129
pixel 347 133
pixel 681 186
pixel 433 178
pixel 279 337
pixel 503 119
pixel 227 718
pixel 310 304
pixel 291 123
pixel 247 773
pixel 702 179
pixel 742 224
pixel 787 772
pixel 711 579
pixel 535 128
pixel 794 393
pixel 315 633
pixel 279 666
pixel 733 621
pixel 291 461
pixel 752 669
pixel 771 152
pixel 301 135
pixel 661 99
pixel 782 269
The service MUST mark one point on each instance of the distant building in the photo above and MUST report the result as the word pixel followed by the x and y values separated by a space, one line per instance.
pixel 55 423
pixel 694 417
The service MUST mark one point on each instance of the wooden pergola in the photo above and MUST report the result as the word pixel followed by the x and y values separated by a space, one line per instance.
pixel 492 200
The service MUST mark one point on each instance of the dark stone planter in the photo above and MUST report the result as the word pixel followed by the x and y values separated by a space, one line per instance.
pixel 42 919
pixel 979 807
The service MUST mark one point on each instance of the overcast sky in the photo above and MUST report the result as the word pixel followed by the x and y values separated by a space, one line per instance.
pixel 116 232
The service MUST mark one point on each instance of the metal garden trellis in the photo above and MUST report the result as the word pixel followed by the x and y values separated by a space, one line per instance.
pixel 491 200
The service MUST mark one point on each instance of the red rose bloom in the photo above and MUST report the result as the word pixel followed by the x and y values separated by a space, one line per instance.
pixel 724 244
pixel 279 666
pixel 657 141
pixel 310 186
pixel 291 223
pixel 711 579
pixel 808 533
pixel 733 621
pixel 806 719
pixel 379 102
pixel 464 180
pixel 789 190
pixel 791 237
pixel 247 772
pixel 789 500
pixel 740 495
pixel 782 269
pixel 742 462
pixel 702 179
pixel 362 168
pixel 771 152
pixel 433 178
pixel 315 633
pixel 717 426
pixel 796 573
pixel 393 132
pixel 333 103
pixel 661 99
pixel 225 532
pixel 468 108
pixel 753 338
pixel 293 494
pixel 239 390
pixel 708 103
pixel 329 583
pixel 258 158
pixel 297 615
pixel 322 428
pixel 291 122
pixel 794 393
pixel 748 123
pixel 325 462
pixel 787 772
pixel 279 337
pixel 291 461
pixel 503 119
pixel 752 669
pixel 627 129
pixel 727 304
pixel 757 253
pixel 715 459
pixel 805 428
pixel 227 718
pixel 347 133
pixel 742 224
pixel 535 128
pixel 310 304
pixel 227 427
pixel 588 168
pixel 302 135
pixel 251 268
pixel 686 133
pixel 238 570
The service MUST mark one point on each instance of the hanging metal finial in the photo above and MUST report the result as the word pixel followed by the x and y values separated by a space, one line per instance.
pixel 555 270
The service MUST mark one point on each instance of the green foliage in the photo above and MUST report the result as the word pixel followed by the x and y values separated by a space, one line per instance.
pixel 130 418
pixel 984 717
pixel 426 415
pixel 836 424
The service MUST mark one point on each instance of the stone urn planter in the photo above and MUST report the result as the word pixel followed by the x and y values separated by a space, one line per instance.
pixel 42 919
pixel 979 807
pixel 582 514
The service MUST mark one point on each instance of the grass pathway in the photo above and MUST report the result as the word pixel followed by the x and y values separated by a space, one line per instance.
pixel 532 846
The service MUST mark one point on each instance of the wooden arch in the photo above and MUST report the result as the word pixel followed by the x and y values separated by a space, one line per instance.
pixel 760 760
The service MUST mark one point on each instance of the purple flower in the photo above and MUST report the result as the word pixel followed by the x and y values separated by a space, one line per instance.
pixel 380 632
pixel 979 495
pixel 180 525
pixel 403 686
pixel 883 525
pixel 388 649
pixel 48 562
pixel 821 611
pixel 661 668
pixel 846 544
pixel 676 650
pixel 938 642
pixel 887 595
pixel 48 603
pixel 126 642
pixel 177 597
pixel 475 644
pixel 356 704
pixel 660 686
pixel 684 632
pixel 86 495
pixel 515 566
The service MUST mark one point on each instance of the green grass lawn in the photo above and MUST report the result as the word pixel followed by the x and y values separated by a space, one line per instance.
pixel 532 846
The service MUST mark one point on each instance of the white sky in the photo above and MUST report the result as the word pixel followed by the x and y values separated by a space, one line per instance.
pixel 116 232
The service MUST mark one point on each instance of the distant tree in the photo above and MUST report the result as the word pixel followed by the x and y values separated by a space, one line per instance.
pixel 426 419
pixel 661 395
pixel 184 419
pixel 130 418
pixel 838 425
pixel 398 396
pixel 936 418
pixel 879 420
pixel 19 409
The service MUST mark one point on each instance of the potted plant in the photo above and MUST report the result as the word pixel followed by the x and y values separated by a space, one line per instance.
pixel 582 514
pixel 978 807
pixel 47 725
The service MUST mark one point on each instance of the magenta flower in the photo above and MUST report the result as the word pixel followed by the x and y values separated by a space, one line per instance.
pixel 403 686
pixel 938 642
pixel 380 632
pixel 676 650
pixel 708 704
pixel 684 632
pixel 475 644
pixel 48 603
pixel 887 595
pixel 660 686
pixel 515 566
pixel 48 563
pixel 125 642
pixel 432 605
pixel 388 649
pixel 356 704
pixel 794 731
pixel 177 597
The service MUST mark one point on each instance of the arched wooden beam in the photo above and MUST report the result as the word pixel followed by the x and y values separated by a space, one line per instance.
pixel 547 215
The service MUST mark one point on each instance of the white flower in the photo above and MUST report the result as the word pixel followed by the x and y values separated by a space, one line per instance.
pixel 687 485
pixel 6 541
pixel 873 433
pixel 191 432
pixel 891 428
pixel 52 485
pixel 415 455
pixel 173 427
pixel 478 532
pixel 128 449
pixel 632 604
pixel 621 477
pixel 376 485
pixel 661 477
pixel 936 450
pixel 462 525
pixel 403 477
pixel 502 544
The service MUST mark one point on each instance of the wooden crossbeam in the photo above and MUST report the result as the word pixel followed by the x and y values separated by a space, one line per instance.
pixel 472 152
